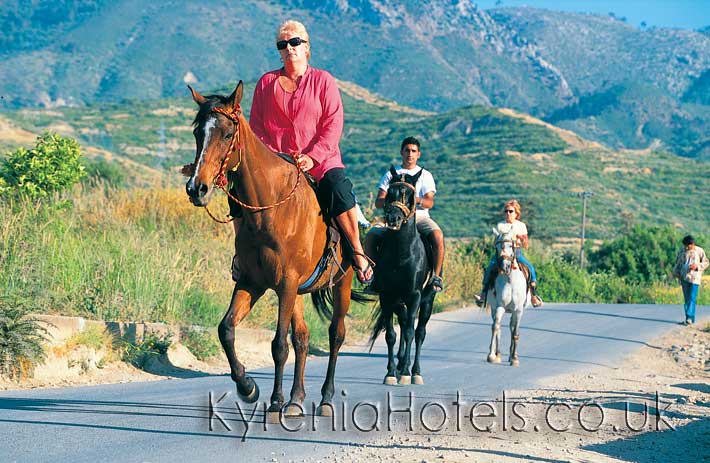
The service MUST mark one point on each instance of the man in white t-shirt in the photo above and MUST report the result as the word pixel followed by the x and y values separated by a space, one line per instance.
pixel 425 191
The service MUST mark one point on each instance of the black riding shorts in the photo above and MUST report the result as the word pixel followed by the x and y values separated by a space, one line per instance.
pixel 335 192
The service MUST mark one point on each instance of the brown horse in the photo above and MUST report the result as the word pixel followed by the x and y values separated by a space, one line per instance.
pixel 281 239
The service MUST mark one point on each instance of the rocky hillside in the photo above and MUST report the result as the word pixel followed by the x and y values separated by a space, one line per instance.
pixel 595 74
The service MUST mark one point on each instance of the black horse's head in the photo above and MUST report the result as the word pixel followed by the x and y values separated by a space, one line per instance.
pixel 400 202
pixel 216 126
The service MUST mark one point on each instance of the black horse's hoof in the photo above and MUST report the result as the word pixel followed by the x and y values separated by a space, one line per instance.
pixel 325 409
pixel 251 394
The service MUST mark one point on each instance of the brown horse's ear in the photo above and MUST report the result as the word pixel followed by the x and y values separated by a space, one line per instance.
pixel 393 171
pixel 199 99
pixel 188 170
pixel 236 97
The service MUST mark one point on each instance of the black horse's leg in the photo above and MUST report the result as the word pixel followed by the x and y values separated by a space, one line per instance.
pixel 391 337
pixel 336 336
pixel 424 314
pixel 412 303
pixel 299 340
pixel 242 302
pixel 401 311
pixel 279 345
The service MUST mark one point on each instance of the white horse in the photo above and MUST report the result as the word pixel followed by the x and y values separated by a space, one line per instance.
pixel 510 294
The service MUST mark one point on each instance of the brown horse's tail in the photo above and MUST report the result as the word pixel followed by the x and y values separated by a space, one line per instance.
pixel 323 301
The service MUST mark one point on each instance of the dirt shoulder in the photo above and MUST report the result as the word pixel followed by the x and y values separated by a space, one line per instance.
pixel 677 368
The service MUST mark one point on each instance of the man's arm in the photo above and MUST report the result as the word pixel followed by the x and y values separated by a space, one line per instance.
pixel 380 200
pixel 427 202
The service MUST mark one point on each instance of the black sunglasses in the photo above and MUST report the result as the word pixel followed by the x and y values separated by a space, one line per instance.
pixel 293 41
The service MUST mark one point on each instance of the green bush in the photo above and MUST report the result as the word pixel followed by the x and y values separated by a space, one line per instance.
pixel 21 339
pixel 53 165
pixel 642 254
pixel 139 353
pixel 201 343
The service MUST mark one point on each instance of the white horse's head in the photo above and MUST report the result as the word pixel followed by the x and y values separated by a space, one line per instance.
pixel 505 249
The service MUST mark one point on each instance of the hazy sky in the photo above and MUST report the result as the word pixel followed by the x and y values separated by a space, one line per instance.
pixel 686 14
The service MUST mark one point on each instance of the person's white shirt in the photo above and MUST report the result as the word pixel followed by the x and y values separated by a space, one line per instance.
pixel 424 185
pixel 518 228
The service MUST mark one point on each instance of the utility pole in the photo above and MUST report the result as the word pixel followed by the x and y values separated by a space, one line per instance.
pixel 584 195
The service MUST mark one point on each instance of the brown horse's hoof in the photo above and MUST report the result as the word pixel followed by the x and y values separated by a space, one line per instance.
pixel 417 379
pixel 252 396
pixel 324 409
pixel 390 380
pixel 293 410
pixel 405 380
pixel 514 363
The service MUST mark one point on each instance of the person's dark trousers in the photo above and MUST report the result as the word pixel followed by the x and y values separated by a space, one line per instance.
pixel 690 294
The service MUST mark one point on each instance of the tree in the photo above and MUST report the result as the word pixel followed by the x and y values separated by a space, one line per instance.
pixel 53 165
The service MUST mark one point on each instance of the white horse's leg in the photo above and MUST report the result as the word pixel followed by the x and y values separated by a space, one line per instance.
pixel 494 352
pixel 515 336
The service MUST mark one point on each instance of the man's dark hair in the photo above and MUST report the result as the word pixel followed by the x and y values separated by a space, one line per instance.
pixel 409 141
pixel 688 239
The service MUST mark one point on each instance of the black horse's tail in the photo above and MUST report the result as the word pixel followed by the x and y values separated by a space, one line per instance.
pixel 378 324
pixel 323 301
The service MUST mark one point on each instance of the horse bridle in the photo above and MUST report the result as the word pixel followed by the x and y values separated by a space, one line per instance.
pixel 220 179
pixel 512 258
pixel 406 210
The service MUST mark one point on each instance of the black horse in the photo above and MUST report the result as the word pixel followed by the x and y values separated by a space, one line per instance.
pixel 402 279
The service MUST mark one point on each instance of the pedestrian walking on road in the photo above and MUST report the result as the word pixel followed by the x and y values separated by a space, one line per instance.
pixel 689 267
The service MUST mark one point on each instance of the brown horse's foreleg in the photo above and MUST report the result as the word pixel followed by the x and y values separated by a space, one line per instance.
pixel 336 336
pixel 299 340
pixel 242 302
pixel 279 345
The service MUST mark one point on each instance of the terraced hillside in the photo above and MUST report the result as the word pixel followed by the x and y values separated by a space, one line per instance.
pixel 480 157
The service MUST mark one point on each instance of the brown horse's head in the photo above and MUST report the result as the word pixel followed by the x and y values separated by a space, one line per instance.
pixel 214 134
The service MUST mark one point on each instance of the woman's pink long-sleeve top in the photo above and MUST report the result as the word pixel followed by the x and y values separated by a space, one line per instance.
pixel 317 118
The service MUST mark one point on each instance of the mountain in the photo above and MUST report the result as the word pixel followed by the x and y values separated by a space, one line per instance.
pixel 434 55
pixel 480 157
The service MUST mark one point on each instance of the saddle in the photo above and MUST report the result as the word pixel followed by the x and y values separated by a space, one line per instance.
pixel 523 268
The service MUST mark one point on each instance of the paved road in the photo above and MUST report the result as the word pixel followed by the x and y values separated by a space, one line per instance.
pixel 168 420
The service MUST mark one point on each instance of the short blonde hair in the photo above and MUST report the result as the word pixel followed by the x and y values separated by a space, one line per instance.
pixel 298 28
pixel 516 206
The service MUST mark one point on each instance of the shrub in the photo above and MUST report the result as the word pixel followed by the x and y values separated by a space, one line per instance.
pixel 21 339
pixel 53 165
pixel 201 343
pixel 139 353
pixel 642 254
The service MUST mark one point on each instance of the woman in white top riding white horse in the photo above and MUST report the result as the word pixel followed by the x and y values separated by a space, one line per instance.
pixel 511 213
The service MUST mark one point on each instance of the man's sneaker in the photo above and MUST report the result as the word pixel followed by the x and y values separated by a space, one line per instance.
pixel 480 299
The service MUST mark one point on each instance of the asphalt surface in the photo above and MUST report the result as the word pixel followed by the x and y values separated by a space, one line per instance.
pixel 171 420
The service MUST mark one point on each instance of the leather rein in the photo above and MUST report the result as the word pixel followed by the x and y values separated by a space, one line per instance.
pixel 220 179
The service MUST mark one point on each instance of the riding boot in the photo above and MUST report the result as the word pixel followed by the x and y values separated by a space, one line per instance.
pixel 535 299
